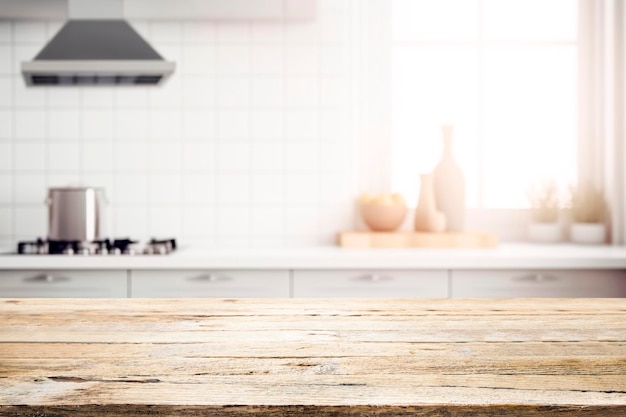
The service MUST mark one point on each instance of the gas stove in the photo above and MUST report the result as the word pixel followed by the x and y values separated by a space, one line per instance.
pixel 115 247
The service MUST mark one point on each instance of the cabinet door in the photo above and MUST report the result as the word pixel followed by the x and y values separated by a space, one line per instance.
pixel 536 283
pixel 210 283
pixel 370 283
pixel 63 284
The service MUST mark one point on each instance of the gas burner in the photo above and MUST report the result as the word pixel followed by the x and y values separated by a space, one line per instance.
pixel 103 247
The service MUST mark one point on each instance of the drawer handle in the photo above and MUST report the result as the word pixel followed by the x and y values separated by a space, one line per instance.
pixel 46 279
pixel 537 277
pixel 211 278
pixel 373 278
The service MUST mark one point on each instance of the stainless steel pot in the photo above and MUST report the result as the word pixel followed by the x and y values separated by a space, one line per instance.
pixel 76 213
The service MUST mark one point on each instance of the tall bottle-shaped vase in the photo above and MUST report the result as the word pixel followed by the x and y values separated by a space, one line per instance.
pixel 427 217
pixel 449 185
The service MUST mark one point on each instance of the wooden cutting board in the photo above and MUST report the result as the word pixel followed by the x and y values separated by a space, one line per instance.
pixel 357 239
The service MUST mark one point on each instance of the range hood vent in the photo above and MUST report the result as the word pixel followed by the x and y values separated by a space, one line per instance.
pixel 97 52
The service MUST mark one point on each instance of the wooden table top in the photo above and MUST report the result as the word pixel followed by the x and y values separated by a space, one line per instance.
pixel 288 357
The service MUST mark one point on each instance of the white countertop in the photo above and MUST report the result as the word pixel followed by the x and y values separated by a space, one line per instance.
pixel 513 256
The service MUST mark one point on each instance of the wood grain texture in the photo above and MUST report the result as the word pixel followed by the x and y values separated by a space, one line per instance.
pixel 409 239
pixel 342 357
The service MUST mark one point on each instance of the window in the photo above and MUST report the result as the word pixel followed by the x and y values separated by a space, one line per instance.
pixel 505 74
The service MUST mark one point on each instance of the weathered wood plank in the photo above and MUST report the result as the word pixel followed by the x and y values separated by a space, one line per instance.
pixel 313 357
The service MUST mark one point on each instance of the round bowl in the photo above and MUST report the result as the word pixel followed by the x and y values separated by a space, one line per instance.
pixel 383 218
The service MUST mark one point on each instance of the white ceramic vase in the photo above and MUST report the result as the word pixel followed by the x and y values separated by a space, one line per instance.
pixel 588 233
pixel 545 232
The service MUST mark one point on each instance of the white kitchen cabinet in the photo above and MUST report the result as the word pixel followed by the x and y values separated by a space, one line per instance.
pixel 538 283
pixel 63 284
pixel 370 283
pixel 210 283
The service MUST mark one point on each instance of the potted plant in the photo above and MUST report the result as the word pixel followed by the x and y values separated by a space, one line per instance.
pixel 588 208
pixel 545 206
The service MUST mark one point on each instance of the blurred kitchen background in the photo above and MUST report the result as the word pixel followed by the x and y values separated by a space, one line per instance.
pixel 270 128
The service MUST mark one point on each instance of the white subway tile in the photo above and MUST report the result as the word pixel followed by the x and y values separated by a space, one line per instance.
pixel 268 157
pixel 130 156
pixel 97 157
pixel 199 59
pixel 233 32
pixel 268 125
pixel 63 157
pixel 28 96
pixel 198 222
pixel 164 222
pixel 173 53
pixel 233 157
pixel 164 157
pixel 6 124
pixel 164 125
pixel 301 221
pixel 335 93
pixel 6 63
pixel 302 125
pixel 337 155
pixel 233 60
pixel 29 32
pixel 97 124
pixel 164 188
pixel 130 222
pixel 6 221
pixel 302 32
pixel 335 28
pixel 97 97
pixel 199 188
pixel 30 188
pixel 130 96
pixel 334 60
pixel 232 221
pixel 268 92
pixel 63 97
pixel 199 32
pixel 6 156
pixel 30 156
pixel 268 32
pixel 302 92
pixel 233 92
pixel 336 189
pixel 99 179
pixel 6 98
pixel 302 189
pixel 268 221
pixel 130 188
pixel 64 179
pixel 199 91
pixel 335 218
pixel 302 60
pixel 233 188
pixel 6 188
pixel 268 189
pixel 63 125
pixel 166 95
pixel 334 124
pixel 22 53
pixel 268 60
pixel 199 156
pixel 169 31
pixel 131 124
pixel 199 124
pixel 30 221
pixel 30 124
pixel 233 125
pixel 302 156
pixel 5 31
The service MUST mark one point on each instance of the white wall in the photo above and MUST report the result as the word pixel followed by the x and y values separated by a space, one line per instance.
pixel 249 144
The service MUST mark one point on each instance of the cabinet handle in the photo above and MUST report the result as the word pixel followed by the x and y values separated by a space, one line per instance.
pixel 46 279
pixel 211 278
pixel 373 278
pixel 537 277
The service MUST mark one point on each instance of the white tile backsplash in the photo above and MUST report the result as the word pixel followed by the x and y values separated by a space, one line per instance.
pixel 248 144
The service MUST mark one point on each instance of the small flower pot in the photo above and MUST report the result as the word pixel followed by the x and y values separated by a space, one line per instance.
pixel 588 233
pixel 545 232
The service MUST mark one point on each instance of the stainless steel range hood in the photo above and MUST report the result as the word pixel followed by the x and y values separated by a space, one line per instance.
pixel 97 52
